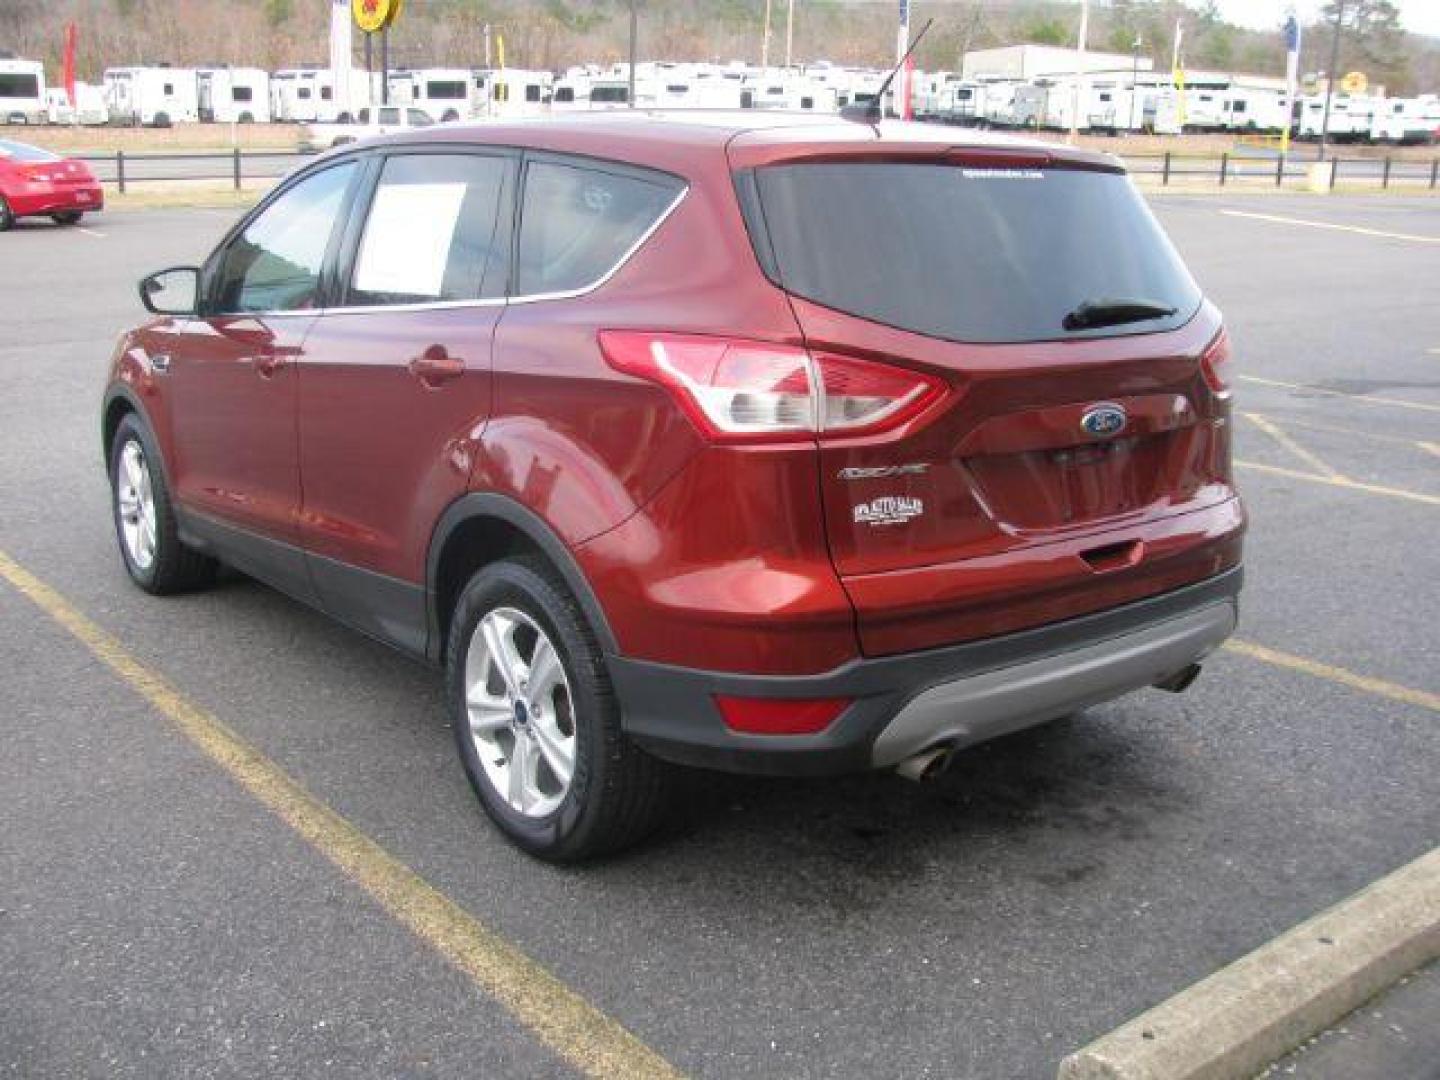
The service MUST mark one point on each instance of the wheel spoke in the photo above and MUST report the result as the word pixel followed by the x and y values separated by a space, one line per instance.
pixel 497 630
pixel 559 752
pixel 545 674
pixel 488 714
pixel 518 793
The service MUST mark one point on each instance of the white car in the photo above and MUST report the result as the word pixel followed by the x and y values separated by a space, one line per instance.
pixel 381 120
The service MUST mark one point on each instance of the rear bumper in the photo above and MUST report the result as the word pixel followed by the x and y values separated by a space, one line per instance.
pixel 85 199
pixel 958 696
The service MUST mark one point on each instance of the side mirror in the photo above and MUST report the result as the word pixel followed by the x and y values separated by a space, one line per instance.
pixel 175 291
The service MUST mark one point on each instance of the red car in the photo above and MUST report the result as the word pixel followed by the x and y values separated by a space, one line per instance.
pixel 767 443
pixel 37 183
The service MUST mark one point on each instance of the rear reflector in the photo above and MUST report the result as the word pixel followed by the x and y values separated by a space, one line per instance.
pixel 779 716
pixel 755 391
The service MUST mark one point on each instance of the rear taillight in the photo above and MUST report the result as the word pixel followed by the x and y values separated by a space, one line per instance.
pixel 1215 365
pixel 754 391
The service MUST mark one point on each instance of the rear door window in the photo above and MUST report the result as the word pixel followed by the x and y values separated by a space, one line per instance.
pixel 578 223
pixel 434 231
pixel 968 254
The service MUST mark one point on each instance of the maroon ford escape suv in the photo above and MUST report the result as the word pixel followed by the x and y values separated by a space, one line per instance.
pixel 755 442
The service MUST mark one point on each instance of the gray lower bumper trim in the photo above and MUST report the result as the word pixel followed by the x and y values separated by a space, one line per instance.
pixel 978 707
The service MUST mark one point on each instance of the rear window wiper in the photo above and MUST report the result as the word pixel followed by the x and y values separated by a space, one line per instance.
pixel 1114 312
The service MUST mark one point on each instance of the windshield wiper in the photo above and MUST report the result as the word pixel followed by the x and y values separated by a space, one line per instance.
pixel 1114 312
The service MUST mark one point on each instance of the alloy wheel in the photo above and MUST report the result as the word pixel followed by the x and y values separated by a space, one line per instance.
pixel 135 504
pixel 520 712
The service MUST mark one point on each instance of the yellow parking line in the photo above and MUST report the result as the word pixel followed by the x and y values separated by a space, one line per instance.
pixel 1399 403
pixel 1412 237
pixel 1369 436
pixel 1404 694
pixel 574 1029
pixel 1313 460
pixel 1343 482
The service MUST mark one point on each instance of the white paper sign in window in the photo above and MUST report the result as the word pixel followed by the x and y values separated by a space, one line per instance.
pixel 407 239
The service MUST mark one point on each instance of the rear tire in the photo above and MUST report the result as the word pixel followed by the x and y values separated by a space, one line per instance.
pixel 145 524
pixel 67 217
pixel 615 794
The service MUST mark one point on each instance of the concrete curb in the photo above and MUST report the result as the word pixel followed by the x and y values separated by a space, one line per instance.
pixel 1243 1017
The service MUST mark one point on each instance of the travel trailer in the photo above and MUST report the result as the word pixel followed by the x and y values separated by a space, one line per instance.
pixel 233 95
pixel 516 92
pixel 22 92
pixel 89 108
pixel 1407 120
pixel 152 96
pixel 445 94
pixel 1256 110
pixel 1351 116
pixel 309 95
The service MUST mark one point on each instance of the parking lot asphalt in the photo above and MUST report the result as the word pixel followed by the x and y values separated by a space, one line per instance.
pixel 155 920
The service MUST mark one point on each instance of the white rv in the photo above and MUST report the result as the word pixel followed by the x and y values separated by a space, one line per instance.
pixel 517 92
pixel 1256 110
pixel 445 94
pixel 233 95
pixel 1407 120
pixel 309 95
pixel 89 108
pixel 1351 116
pixel 22 92
pixel 152 96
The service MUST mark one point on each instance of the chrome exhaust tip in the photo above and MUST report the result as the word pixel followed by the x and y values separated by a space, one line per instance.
pixel 1179 682
pixel 926 765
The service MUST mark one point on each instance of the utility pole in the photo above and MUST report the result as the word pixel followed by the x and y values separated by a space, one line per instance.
pixel 1079 68
pixel 634 34
pixel 1330 75
pixel 765 39
pixel 789 32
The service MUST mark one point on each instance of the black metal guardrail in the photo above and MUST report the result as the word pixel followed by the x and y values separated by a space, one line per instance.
pixel 1278 170
pixel 236 166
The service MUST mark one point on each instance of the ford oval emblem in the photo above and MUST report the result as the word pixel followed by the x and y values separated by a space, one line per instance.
pixel 1104 421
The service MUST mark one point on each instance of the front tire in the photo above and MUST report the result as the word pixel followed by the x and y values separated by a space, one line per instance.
pixel 7 216
pixel 536 721
pixel 67 217
pixel 145 524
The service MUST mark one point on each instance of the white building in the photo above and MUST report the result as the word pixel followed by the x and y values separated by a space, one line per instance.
pixel 1026 62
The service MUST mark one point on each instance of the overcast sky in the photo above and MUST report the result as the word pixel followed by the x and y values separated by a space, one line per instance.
pixel 1420 16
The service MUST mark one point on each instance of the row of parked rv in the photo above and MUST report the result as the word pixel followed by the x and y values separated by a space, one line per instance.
pixel 1148 101
pixel 1104 101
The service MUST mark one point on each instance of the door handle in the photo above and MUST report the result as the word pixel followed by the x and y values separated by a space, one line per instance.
pixel 268 362
pixel 435 366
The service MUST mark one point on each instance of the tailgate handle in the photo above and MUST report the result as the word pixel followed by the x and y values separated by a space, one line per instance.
pixel 1111 557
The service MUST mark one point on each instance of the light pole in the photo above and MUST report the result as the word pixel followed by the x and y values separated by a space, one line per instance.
pixel 789 32
pixel 634 33
pixel 1330 75
pixel 765 39
pixel 1079 67
pixel 1135 80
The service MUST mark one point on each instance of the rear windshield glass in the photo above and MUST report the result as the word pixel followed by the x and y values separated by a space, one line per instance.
pixel 970 254
pixel 15 151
